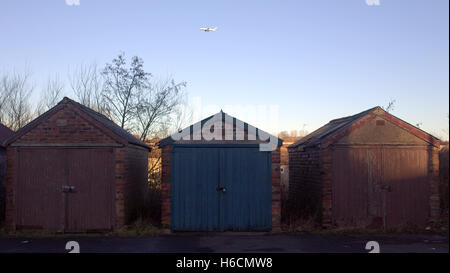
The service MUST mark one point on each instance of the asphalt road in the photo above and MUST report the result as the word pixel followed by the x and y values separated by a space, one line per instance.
pixel 232 243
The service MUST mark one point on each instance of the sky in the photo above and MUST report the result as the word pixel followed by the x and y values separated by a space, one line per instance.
pixel 299 63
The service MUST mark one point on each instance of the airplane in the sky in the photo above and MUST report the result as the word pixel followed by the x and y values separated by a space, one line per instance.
pixel 208 29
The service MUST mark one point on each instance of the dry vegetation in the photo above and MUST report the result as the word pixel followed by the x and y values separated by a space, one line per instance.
pixel 152 208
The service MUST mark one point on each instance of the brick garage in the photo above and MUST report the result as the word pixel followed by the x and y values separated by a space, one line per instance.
pixel 74 170
pixel 220 184
pixel 369 170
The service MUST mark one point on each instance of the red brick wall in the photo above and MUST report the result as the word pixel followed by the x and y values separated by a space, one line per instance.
pixel 326 160
pixel 165 185
pixel 65 126
pixel 434 186
pixel 305 183
pixel 276 189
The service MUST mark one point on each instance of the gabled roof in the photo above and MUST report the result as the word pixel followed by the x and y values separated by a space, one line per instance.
pixel 225 117
pixel 110 124
pixel 99 118
pixel 5 133
pixel 337 128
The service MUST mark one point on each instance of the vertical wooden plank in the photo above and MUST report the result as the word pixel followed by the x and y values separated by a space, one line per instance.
pixel 405 173
pixel 350 187
pixel 247 177
pixel 38 190
pixel 194 179
pixel 89 204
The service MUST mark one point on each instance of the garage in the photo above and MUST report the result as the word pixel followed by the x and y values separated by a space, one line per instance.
pixel 369 170
pixel 74 170
pixel 220 184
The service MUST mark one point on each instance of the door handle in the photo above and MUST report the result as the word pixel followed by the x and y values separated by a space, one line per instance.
pixel 222 189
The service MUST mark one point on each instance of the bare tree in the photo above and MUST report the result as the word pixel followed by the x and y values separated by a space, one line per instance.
pixel 303 132
pixel 122 88
pixel 137 104
pixel 283 134
pixel 446 130
pixel 15 111
pixel 86 83
pixel 178 120
pixel 157 104
pixel 182 116
pixel 50 95
pixel 390 107
pixel 5 93
pixel 294 133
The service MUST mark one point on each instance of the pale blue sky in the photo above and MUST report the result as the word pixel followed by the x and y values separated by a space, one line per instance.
pixel 317 60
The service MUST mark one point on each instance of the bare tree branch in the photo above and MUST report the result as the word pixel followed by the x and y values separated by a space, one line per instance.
pixel 5 94
pixel 122 88
pixel 156 105
pixel 51 95
pixel 390 107
pixel 86 83
pixel 15 109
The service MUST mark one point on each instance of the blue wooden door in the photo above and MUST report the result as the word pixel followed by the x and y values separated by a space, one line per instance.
pixel 194 176
pixel 246 176
pixel 217 188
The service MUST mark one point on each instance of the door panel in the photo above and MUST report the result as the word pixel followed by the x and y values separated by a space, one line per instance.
pixel 375 194
pixel 39 199
pixel 89 205
pixel 350 187
pixel 405 174
pixel 194 181
pixel 198 176
pixel 246 176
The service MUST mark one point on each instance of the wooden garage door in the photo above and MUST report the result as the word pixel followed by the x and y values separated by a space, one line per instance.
pixel 38 193
pixel 380 186
pixel 89 207
pixel 217 189
pixel 405 175
pixel 65 189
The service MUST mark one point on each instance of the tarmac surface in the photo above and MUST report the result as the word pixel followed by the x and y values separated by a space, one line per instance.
pixel 232 243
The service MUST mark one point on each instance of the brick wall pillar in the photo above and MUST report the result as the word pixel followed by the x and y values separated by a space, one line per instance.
pixel 165 185
pixel 433 172
pixel 276 194
pixel 326 159
pixel 119 158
